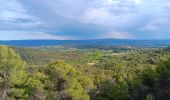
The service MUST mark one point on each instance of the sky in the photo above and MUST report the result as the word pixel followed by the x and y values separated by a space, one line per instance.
pixel 84 19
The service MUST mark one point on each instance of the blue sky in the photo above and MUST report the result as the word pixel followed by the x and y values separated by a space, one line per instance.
pixel 84 19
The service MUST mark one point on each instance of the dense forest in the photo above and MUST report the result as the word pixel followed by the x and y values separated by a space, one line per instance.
pixel 48 74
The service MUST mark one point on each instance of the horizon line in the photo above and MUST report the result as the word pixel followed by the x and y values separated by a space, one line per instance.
pixel 77 39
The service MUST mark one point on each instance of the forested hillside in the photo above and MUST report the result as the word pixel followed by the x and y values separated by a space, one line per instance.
pixel 35 74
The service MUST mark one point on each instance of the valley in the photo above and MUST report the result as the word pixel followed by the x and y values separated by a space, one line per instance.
pixel 112 73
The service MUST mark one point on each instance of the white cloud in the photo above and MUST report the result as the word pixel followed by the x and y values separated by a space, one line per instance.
pixel 11 10
pixel 158 24
pixel 20 35
pixel 116 14
pixel 13 16
pixel 96 16
pixel 137 1
pixel 118 35
pixel 79 17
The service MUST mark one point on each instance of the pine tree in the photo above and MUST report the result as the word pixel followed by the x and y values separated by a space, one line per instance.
pixel 13 75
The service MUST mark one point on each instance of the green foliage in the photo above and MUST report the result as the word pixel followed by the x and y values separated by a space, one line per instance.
pixel 13 75
pixel 95 55
pixel 68 81
pixel 39 57
pixel 154 84
pixel 111 90
pixel 67 75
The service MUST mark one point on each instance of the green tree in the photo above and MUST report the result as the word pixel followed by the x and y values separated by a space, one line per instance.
pixel 163 72
pixel 67 82
pixel 13 75
pixel 112 90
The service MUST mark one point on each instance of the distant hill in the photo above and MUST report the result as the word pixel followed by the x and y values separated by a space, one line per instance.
pixel 89 43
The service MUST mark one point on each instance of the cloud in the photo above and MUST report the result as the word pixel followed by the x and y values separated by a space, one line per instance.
pixel 14 16
pixel 86 19
pixel 20 35
pixel 117 35
pixel 160 22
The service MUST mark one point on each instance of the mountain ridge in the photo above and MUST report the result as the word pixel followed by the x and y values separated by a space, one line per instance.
pixel 99 42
